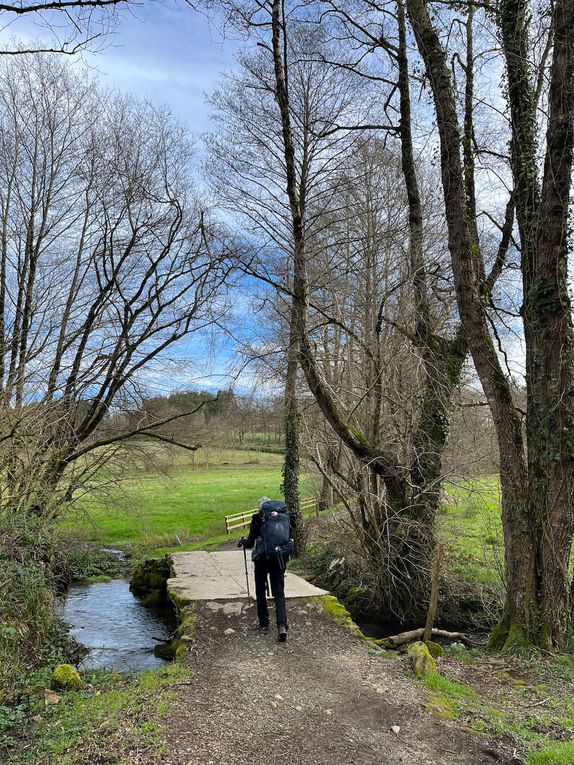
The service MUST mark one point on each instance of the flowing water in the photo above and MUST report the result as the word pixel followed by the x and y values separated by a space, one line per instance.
pixel 119 633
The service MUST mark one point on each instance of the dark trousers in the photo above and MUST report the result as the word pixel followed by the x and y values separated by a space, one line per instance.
pixel 276 574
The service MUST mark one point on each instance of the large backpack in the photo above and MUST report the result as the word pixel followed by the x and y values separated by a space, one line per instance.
pixel 275 542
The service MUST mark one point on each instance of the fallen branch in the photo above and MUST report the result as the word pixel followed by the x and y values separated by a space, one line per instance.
pixel 394 641
pixel 539 703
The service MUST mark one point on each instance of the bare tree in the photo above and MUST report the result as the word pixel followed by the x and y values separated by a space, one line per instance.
pixel 107 263
pixel 245 172
pixel 537 465
pixel 400 522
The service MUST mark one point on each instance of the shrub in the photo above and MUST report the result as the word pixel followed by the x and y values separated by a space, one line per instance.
pixel 31 631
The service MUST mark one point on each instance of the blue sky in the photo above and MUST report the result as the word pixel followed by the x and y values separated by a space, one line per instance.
pixel 169 54
pixel 162 51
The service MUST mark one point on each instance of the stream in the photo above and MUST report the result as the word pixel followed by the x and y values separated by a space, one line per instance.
pixel 119 633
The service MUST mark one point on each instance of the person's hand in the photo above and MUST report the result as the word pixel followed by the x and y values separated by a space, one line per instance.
pixel 242 542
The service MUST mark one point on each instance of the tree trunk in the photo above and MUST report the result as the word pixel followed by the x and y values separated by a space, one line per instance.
pixel 326 496
pixel 537 493
pixel 291 464
pixel 397 528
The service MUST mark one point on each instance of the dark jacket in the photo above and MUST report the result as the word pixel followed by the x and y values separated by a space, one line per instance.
pixel 254 531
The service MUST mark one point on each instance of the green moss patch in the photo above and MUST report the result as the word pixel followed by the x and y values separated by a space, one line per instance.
pixel 435 649
pixel 422 662
pixel 187 619
pixel 337 611
pixel 440 708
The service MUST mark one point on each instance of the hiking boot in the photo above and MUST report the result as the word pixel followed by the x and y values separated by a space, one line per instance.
pixel 282 633
pixel 263 629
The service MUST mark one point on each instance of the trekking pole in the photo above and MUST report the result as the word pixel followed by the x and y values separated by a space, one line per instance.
pixel 241 543
pixel 246 574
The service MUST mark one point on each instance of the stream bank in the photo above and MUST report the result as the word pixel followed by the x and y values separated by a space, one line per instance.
pixel 463 607
pixel 117 624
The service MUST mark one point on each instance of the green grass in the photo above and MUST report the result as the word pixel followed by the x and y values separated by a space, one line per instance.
pixel 109 716
pixel 472 532
pixel 447 698
pixel 167 499
pixel 185 510
pixel 525 700
pixel 558 753
pixel 442 684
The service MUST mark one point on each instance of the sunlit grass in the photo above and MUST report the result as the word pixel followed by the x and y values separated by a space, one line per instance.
pixel 557 753
pixel 471 529
pixel 437 682
pixel 184 509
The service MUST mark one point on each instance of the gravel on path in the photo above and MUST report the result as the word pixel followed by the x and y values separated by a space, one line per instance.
pixel 322 698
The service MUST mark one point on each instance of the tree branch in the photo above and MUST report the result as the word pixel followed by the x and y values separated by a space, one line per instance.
pixel 140 431
pixel 56 5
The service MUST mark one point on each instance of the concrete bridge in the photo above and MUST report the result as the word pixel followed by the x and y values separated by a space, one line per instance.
pixel 221 576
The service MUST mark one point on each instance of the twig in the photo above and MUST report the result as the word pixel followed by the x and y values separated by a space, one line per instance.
pixel 539 703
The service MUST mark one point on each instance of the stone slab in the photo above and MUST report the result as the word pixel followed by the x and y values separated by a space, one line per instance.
pixel 221 576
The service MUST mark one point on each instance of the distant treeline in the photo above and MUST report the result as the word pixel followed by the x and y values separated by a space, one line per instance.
pixel 242 422
pixel 224 417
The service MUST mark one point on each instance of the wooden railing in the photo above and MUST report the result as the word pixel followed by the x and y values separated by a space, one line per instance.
pixel 238 520
pixel 308 504
pixel 242 520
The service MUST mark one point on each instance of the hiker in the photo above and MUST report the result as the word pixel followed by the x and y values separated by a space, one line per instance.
pixel 270 539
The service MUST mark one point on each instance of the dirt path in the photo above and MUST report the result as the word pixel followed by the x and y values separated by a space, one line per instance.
pixel 323 698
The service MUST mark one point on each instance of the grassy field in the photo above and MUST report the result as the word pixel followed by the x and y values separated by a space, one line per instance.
pixel 157 458
pixel 164 499
pixel 182 506
pixel 183 510
pixel 470 527
pixel 176 500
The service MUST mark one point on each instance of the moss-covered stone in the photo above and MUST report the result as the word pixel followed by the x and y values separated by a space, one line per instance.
pixel 184 635
pixel 149 581
pixel 423 663
pixel 337 611
pixel 177 647
pixel 440 708
pixel 156 599
pixel 187 621
pixel 177 601
pixel 65 678
pixel 166 650
pixel 331 571
pixel 181 650
pixel 435 649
